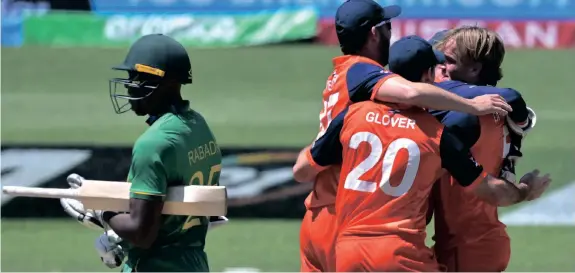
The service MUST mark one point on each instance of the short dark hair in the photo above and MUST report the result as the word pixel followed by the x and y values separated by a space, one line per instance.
pixel 349 50
pixel 490 75
pixel 353 49
pixel 353 45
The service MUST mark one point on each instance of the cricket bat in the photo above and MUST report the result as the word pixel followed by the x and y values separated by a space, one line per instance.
pixel 115 196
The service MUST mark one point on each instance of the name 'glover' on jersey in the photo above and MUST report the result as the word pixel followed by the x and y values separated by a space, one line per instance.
pixel 390 120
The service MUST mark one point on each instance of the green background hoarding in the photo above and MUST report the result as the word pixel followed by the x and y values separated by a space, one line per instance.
pixel 84 29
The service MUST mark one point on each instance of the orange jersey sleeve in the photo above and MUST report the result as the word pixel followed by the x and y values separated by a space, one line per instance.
pixel 353 79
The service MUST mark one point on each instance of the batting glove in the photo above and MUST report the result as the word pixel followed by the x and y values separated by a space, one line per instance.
pixel 107 246
pixel 522 130
pixel 87 217
pixel 216 221
pixel 509 164
pixel 508 171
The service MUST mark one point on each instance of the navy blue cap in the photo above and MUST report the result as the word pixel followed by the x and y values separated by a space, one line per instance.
pixel 355 18
pixel 438 36
pixel 411 56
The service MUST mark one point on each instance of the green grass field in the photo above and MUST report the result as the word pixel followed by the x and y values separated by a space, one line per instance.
pixel 253 96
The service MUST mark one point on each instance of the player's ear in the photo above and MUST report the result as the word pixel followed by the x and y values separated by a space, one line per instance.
pixel 429 75
pixel 439 73
pixel 374 34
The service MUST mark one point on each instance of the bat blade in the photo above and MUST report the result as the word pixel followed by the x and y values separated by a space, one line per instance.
pixel 40 192
pixel 115 196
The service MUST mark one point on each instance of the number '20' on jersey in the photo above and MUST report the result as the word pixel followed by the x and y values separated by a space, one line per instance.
pixel 390 159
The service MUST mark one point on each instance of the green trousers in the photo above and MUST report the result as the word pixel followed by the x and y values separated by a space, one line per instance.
pixel 169 259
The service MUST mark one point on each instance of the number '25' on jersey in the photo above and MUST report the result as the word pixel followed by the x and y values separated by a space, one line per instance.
pixel 390 159
pixel 354 79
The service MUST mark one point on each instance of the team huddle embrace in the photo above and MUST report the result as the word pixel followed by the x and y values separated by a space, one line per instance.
pixel 434 139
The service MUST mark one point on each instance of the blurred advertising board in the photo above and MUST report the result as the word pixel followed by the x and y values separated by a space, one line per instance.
pixel 11 31
pixel 420 9
pixel 515 34
pixel 32 5
pixel 259 180
pixel 13 14
pixel 219 30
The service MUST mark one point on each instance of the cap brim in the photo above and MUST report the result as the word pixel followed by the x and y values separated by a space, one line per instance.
pixel 439 56
pixel 390 12
pixel 122 67
pixel 438 36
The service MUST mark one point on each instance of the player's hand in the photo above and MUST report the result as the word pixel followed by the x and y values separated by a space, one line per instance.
pixel 107 246
pixel 490 104
pixel 75 180
pixel 536 184
pixel 87 217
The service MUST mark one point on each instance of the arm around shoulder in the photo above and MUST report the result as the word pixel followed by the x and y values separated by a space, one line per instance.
pixel 397 90
pixel 400 90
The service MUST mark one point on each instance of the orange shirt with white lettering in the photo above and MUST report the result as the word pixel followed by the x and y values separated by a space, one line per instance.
pixel 390 159
pixel 353 79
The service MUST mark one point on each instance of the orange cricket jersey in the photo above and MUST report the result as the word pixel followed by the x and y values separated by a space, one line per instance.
pixel 460 216
pixel 353 79
pixel 390 160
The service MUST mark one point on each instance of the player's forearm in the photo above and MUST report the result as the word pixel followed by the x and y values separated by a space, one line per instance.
pixel 302 169
pixel 511 194
pixel 129 230
pixel 433 97
pixel 502 193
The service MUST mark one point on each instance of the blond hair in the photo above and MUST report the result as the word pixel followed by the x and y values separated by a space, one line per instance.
pixel 475 44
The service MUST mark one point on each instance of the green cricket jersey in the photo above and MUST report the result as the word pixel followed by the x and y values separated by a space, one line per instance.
pixel 177 149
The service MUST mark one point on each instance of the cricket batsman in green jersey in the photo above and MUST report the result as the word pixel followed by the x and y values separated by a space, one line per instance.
pixel 178 148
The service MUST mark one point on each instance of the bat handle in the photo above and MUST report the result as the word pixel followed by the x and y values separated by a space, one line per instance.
pixel 40 192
